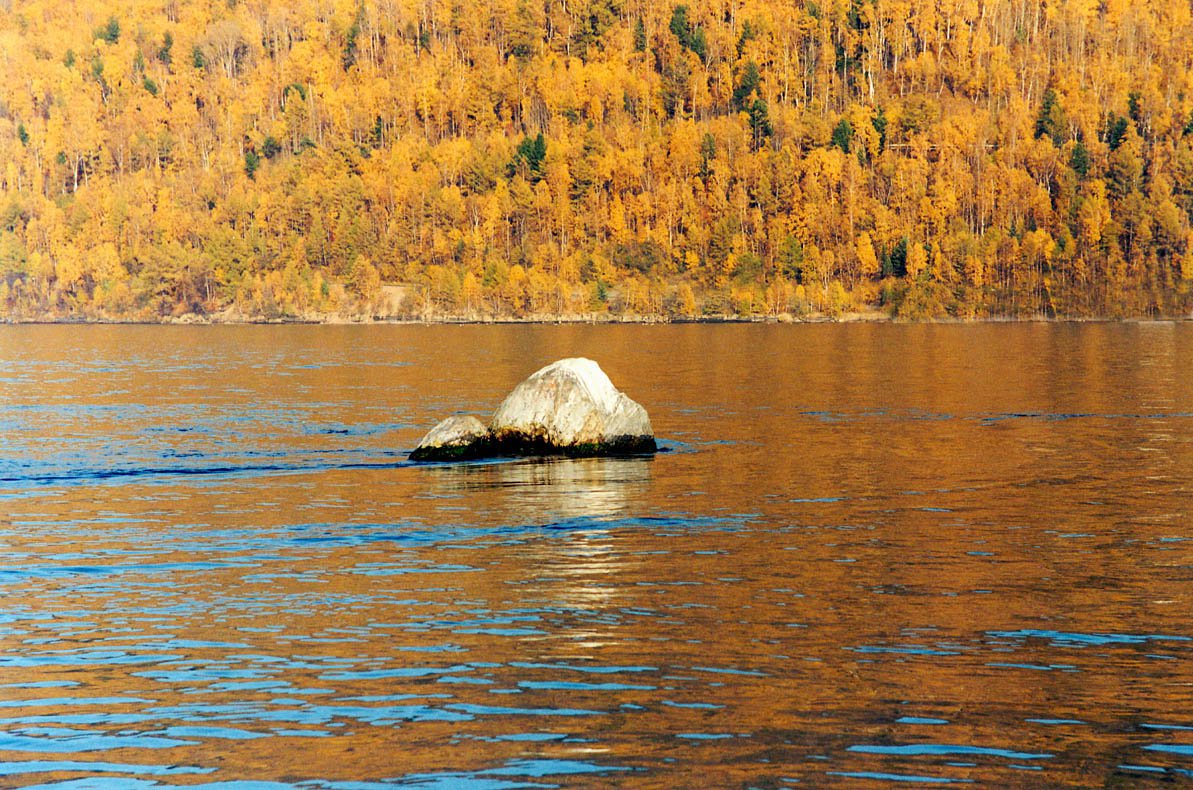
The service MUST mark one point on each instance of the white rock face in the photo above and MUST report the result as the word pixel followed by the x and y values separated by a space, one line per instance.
pixel 568 408
pixel 455 436
pixel 571 403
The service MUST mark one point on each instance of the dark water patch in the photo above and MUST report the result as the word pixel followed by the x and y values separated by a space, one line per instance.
pixel 1079 640
pixel 495 710
pixel 166 474
pixel 526 768
pixel 27 767
pixel 1036 667
pixel 918 749
pixel 400 672
pixel 1178 727
pixel 596 669
pixel 911 650
pixel 309 714
pixel 1154 770
pixel 574 685
pixel 730 671
pixel 890 777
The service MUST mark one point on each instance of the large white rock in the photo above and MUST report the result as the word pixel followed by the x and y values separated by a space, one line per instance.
pixel 572 405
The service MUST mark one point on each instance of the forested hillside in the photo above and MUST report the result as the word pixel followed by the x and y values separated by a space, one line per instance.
pixel 253 158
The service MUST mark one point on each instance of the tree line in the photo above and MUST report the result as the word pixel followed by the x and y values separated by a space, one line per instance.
pixel 264 159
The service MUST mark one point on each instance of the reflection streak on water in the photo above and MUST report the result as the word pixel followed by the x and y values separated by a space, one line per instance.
pixel 967 565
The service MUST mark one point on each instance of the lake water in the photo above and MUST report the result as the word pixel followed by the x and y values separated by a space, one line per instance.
pixel 872 555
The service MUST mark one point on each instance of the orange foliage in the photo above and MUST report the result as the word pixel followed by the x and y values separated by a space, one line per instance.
pixel 511 158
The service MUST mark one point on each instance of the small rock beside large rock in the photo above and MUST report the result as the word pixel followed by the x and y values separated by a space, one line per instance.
pixel 459 437
pixel 569 407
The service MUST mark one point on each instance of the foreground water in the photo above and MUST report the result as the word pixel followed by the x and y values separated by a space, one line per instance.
pixel 873 555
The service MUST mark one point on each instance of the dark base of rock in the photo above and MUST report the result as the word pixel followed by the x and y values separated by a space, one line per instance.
pixel 523 446
pixel 467 452
pixel 530 446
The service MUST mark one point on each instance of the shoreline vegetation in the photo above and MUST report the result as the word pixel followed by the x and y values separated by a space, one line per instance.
pixel 595 160
pixel 397 307
pixel 853 317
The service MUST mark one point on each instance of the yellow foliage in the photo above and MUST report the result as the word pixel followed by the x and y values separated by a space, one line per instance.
pixel 867 260
pixel 838 300
pixel 495 157
pixel 917 259
pixel 778 296
pixel 685 300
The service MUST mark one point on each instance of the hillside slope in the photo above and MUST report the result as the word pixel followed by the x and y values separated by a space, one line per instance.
pixel 507 157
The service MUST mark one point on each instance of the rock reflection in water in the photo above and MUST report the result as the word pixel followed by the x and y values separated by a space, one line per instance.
pixel 585 497
pixel 552 488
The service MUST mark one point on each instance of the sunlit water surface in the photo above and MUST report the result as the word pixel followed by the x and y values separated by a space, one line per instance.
pixel 872 555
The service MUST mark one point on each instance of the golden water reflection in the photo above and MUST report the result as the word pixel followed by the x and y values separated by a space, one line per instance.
pixel 950 553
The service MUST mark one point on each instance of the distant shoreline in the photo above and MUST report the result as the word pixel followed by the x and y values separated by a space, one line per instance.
pixel 546 320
